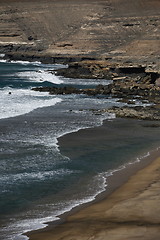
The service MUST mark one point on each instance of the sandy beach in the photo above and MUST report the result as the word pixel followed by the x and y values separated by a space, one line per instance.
pixel 128 210
pixel 131 212
pixel 106 39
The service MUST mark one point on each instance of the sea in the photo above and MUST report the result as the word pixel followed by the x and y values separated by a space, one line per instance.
pixel 41 179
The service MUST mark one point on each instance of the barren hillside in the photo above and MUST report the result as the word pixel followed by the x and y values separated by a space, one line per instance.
pixel 120 30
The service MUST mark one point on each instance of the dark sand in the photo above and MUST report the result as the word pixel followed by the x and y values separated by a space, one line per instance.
pixel 128 210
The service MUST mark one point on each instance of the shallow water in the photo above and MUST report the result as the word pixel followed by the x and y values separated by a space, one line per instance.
pixel 40 180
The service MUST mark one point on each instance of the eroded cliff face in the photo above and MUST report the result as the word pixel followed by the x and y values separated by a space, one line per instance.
pixel 116 30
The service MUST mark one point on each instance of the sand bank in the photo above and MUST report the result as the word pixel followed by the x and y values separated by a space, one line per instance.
pixel 131 212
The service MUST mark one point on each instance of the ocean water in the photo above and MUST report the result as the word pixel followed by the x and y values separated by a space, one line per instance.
pixel 40 178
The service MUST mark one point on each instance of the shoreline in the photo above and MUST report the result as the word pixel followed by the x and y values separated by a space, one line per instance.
pixel 102 39
pixel 100 196
pixel 112 186
pixel 60 230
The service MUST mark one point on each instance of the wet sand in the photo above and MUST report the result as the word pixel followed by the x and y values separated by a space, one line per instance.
pixel 131 212
pixel 128 210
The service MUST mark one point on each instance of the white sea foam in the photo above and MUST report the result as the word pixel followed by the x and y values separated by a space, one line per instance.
pixel 25 225
pixel 96 186
pixel 2 55
pixel 25 62
pixel 34 63
pixel 99 123
pixel 40 76
pixel 18 62
pixel 51 140
pixel 83 82
pixel 3 61
pixel 36 176
pixel 22 101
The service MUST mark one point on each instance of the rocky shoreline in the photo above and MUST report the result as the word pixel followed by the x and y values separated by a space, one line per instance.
pixel 117 40
pixel 129 83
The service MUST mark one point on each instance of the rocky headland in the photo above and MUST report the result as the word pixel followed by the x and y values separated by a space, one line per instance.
pixel 129 83
pixel 112 39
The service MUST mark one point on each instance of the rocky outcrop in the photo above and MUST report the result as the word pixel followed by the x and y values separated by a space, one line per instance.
pixel 57 91
pixel 140 112
pixel 101 69
pixel 143 113
pixel 128 84
pixel 87 69
pixel 128 80
pixel 118 40
pixel 100 89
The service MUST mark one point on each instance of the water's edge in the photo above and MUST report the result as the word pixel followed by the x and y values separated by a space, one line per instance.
pixel 113 180
pixel 110 180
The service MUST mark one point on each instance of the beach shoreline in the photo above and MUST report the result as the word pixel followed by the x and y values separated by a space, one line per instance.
pixel 61 231
pixel 102 195
pixel 116 40
pixel 64 228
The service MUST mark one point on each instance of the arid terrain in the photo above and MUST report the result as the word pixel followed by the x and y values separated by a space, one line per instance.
pixel 116 30
pixel 111 39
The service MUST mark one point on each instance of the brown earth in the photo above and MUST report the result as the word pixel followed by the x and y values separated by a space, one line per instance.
pixel 118 30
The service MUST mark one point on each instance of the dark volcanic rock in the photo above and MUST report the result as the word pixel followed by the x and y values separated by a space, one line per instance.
pixel 86 69
pixel 100 89
pixel 55 90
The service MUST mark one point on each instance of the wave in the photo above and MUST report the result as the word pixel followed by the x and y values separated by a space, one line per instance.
pixel 15 102
pixel 2 55
pixel 36 176
pixel 19 62
pixel 40 76
pixel 90 82
pixel 96 186
pixel 34 63
pixel 3 60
